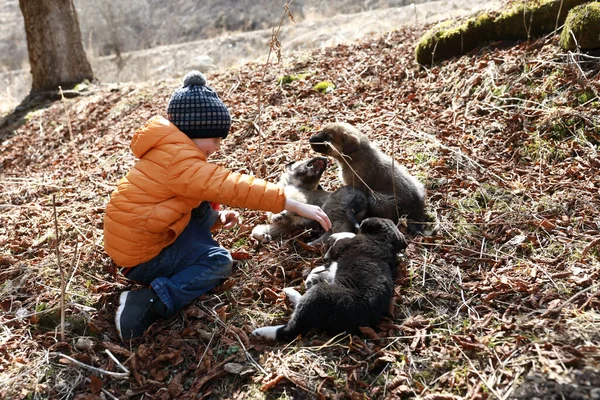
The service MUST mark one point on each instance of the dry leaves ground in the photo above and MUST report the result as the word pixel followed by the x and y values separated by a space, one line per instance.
pixel 503 303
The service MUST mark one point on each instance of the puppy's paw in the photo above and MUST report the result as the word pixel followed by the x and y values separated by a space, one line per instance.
pixel 267 332
pixel 262 233
pixel 279 217
pixel 314 277
pixel 340 235
pixel 322 240
pixel 292 295
pixel 318 270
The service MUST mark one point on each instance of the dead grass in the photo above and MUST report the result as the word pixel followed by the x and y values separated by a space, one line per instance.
pixel 507 290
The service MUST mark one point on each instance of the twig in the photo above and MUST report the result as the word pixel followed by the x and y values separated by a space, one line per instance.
pixel 554 311
pixel 527 28
pixel 558 16
pixel 483 380
pixel 118 375
pixel 22 317
pixel 273 45
pixel 394 173
pixel 62 274
pixel 117 361
pixel 206 349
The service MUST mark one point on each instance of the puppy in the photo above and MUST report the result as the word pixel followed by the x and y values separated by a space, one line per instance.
pixel 354 290
pixel 393 192
pixel 301 182
pixel 346 207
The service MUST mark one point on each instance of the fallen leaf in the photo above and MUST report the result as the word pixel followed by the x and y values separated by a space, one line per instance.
pixel 116 349
pixel 96 384
pixel 175 388
pixel 240 254
pixel 194 312
pixel 238 369
pixel 369 332
pixel 271 383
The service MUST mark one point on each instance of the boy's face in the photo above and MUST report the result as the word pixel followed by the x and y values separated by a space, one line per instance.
pixel 208 145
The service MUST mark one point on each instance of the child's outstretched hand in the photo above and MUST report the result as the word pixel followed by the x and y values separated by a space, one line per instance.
pixel 309 211
pixel 229 218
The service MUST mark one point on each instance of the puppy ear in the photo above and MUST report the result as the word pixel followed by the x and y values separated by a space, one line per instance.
pixel 370 225
pixel 351 143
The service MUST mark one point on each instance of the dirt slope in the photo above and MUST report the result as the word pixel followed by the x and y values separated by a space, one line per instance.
pixel 503 303
pixel 234 49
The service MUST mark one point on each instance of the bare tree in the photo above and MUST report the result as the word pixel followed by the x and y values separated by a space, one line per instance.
pixel 54 44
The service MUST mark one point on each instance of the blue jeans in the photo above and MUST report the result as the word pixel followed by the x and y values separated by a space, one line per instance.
pixel 190 266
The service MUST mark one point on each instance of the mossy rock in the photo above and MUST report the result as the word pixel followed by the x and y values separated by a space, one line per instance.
pixel 519 21
pixel 582 28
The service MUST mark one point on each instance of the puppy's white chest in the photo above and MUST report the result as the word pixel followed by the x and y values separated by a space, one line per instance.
pixel 292 192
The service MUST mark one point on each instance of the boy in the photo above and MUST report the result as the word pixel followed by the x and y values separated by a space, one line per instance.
pixel 158 222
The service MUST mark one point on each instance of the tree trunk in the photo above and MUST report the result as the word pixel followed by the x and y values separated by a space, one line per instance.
pixel 54 43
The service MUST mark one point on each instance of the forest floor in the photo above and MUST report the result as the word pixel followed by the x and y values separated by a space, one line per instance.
pixel 502 303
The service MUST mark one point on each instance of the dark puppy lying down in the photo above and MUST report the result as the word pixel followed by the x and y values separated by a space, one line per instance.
pixel 354 290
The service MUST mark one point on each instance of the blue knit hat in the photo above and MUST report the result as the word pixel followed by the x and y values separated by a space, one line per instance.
pixel 196 110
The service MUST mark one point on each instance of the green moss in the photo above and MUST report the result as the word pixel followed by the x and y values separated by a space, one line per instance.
pixel 520 21
pixel 241 242
pixel 585 97
pixel 499 91
pixel 287 79
pixel 450 38
pixel 32 114
pixel 324 87
pixel 424 158
pixel 538 149
pixel 582 28
pixel 83 86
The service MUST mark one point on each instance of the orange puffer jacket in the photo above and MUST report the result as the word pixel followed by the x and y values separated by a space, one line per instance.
pixel 153 202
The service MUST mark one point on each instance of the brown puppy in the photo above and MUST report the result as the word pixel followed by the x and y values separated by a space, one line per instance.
pixel 392 191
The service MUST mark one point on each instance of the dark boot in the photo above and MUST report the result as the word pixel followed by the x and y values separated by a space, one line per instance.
pixel 138 309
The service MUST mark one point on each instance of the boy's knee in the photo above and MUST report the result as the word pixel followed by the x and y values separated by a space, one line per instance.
pixel 223 262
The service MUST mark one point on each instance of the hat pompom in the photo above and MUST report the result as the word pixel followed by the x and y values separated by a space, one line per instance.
pixel 194 78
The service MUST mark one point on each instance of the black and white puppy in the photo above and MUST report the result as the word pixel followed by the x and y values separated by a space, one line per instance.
pixel 354 290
